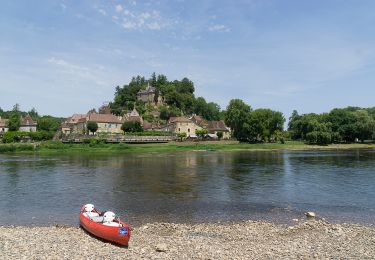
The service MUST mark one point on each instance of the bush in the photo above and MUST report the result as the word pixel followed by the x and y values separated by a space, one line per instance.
pixel 312 137
pixel 54 145
pixel 16 136
pixel 12 137
pixel 7 148
pixel 4 148
pixel 324 138
pixel 319 137
pixel 132 126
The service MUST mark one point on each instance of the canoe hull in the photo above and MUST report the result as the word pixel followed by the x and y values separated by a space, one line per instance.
pixel 117 235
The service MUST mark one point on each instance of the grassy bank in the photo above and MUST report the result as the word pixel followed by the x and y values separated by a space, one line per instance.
pixel 55 146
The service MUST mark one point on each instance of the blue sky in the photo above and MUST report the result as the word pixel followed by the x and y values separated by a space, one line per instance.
pixel 67 56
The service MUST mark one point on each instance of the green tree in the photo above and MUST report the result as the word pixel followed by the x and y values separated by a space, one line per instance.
pixel 237 117
pixel 219 135
pixel 131 126
pixel 201 133
pixel 364 125
pixel 92 126
pixel 14 121
pixel 167 112
pixel 33 113
pixel 181 136
pixel 48 123
pixel 269 122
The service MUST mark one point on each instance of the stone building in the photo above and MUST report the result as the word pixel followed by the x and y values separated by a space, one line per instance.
pixel 28 124
pixel 107 123
pixel 148 96
pixel 181 124
pixel 214 127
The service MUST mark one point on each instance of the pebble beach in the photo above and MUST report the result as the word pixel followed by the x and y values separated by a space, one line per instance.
pixel 310 239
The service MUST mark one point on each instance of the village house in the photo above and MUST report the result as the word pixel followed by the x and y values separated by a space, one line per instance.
pixel 28 124
pixel 182 124
pixel 148 96
pixel 214 127
pixel 3 125
pixel 73 124
pixel 107 123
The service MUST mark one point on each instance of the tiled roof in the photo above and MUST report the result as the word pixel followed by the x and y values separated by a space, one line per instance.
pixel 74 118
pixel 28 121
pixel 180 119
pixel 103 118
pixel 199 121
pixel 134 113
pixel 217 126
pixel 148 90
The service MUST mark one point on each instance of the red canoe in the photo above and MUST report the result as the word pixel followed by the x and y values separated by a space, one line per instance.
pixel 118 235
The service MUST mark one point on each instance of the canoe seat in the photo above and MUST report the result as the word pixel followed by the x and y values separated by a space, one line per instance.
pixel 91 214
pixel 97 219
pixel 112 224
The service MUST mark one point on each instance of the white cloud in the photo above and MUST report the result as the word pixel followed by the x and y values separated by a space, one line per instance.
pixel 154 26
pixel 102 12
pixel 55 61
pixel 119 8
pixel 129 25
pixel 219 28
pixel 145 15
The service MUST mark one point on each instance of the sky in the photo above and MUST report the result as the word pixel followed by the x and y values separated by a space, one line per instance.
pixel 67 56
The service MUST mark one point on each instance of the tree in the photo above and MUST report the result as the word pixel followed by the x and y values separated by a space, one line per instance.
pixel 92 126
pixel 237 118
pixel 184 86
pixel 48 123
pixel 181 136
pixel 167 112
pixel 16 108
pixel 132 126
pixel 269 122
pixel 33 113
pixel 201 133
pixel 219 135
pixel 364 125
pixel 14 121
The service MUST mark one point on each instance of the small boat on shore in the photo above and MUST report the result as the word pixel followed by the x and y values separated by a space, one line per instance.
pixel 104 225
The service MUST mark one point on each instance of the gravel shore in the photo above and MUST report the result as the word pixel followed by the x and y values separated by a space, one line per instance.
pixel 241 240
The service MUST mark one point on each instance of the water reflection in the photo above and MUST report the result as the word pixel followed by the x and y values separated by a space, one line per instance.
pixel 189 186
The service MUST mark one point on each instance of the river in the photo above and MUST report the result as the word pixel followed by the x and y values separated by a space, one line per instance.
pixel 189 186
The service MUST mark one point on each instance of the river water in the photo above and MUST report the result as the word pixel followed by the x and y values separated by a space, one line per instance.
pixel 189 186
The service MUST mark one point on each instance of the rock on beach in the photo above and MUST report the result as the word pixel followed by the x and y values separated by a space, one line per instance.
pixel 240 240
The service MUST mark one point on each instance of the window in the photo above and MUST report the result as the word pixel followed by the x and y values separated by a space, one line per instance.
pixel 188 130
pixel 179 129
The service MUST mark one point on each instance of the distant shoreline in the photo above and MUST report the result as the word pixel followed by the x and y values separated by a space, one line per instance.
pixel 58 147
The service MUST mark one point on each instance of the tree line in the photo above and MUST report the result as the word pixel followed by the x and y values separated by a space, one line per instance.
pixel 347 125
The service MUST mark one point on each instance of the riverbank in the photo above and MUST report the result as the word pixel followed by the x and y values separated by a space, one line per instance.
pixel 243 240
pixel 58 147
